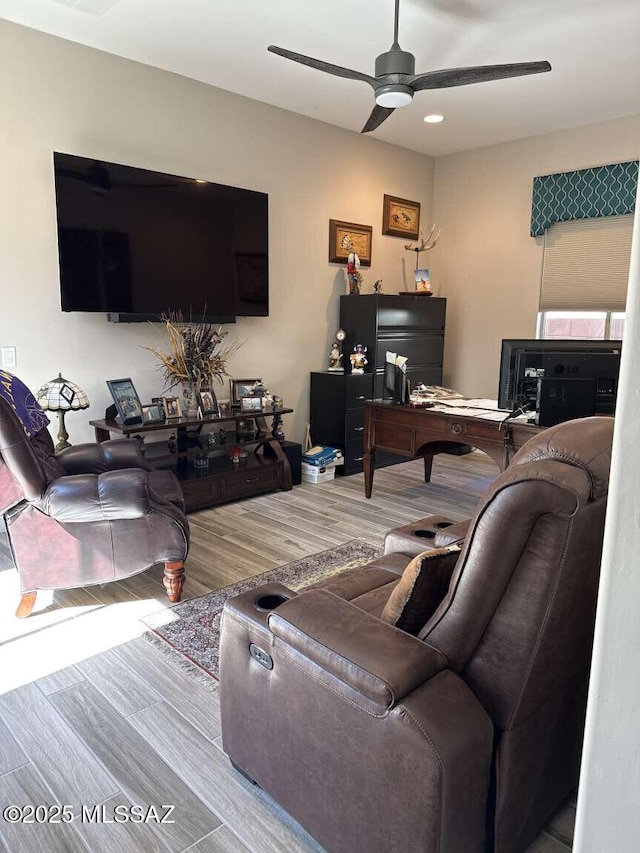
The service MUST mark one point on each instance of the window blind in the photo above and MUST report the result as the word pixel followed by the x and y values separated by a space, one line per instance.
pixel 586 264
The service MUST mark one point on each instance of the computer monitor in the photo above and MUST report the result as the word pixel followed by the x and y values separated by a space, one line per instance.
pixel 559 359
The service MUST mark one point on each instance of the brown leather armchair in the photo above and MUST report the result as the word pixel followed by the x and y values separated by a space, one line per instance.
pixel 465 737
pixel 94 513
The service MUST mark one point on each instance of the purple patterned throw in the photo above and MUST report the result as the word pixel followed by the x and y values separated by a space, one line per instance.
pixel 23 403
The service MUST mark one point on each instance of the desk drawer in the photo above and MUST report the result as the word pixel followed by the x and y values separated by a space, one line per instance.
pixel 396 438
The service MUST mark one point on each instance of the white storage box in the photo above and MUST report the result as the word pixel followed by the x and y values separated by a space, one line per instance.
pixel 315 474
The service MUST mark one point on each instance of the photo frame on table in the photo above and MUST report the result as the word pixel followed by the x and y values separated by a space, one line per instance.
pixel 251 404
pixel 153 414
pixel 401 217
pixel 126 400
pixel 345 237
pixel 208 403
pixel 172 407
pixel 242 388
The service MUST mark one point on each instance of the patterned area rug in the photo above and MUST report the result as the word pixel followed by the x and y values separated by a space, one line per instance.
pixel 192 628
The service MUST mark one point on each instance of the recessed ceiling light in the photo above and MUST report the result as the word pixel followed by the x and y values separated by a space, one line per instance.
pixel 200 181
pixel 434 119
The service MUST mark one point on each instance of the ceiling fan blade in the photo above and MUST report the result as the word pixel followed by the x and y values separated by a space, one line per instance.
pixel 378 115
pixel 475 74
pixel 337 70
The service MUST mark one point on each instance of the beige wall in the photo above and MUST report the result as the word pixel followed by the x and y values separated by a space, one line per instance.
pixel 486 264
pixel 56 95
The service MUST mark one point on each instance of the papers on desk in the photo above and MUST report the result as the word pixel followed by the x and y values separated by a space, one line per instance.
pixel 474 408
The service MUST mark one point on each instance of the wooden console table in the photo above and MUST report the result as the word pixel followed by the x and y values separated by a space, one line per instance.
pixel 265 468
pixel 415 432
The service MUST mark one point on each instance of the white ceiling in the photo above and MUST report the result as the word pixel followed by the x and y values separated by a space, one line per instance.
pixel 592 46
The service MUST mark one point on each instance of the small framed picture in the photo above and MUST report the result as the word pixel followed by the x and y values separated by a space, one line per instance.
pixel 126 399
pixel 251 404
pixel 153 414
pixel 345 237
pixel 243 388
pixel 172 407
pixel 400 217
pixel 208 403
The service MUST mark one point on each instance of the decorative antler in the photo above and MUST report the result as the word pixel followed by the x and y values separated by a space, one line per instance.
pixel 425 244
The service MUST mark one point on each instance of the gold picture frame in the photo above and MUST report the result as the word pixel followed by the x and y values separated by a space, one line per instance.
pixel 172 408
pixel 400 217
pixel 361 237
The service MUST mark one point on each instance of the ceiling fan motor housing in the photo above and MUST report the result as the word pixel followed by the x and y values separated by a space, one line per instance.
pixel 395 61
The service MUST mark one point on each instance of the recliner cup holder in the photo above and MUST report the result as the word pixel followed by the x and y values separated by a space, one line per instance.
pixel 424 534
pixel 270 602
pixel 443 524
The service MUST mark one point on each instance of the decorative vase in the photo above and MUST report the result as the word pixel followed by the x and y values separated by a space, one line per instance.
pixel 190 399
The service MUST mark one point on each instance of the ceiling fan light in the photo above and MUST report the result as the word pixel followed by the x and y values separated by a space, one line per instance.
pixel 394 96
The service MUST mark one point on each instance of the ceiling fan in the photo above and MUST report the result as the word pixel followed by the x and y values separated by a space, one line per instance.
pixel 396 82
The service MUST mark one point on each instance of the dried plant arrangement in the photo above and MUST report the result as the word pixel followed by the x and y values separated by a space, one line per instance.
pixel 196 355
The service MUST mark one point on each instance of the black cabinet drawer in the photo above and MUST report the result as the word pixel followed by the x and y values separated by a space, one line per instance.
pixel 354 423
pixel 354 450
pixel 353 456
pixel 359 389
pixel 419 349
pixel 411 312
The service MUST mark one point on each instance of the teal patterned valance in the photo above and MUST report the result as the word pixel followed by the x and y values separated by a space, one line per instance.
pixel 585 194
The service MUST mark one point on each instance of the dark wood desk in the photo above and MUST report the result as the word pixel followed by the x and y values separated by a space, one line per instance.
pixel 415 432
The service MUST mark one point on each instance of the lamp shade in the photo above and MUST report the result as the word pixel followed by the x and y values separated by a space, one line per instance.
pixel 61 395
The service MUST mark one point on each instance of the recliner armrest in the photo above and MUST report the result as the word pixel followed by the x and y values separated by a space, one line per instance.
pixel 375 659
pixel 112 496
pixel 106 456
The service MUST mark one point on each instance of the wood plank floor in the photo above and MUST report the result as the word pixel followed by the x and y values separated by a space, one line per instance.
pixel 92 714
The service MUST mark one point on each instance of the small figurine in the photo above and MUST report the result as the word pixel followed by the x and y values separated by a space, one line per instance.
pixel 358 359
pixel 172 444
pixel 211 439
pixel 335 356
pixel 222 436
pixel 354 276
pixel 377 286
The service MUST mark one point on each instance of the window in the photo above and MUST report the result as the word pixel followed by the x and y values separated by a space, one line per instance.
pixel 584 278
pixel 583 325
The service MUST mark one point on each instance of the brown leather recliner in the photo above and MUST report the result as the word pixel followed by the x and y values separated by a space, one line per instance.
pixel 466 737
pixel 94 513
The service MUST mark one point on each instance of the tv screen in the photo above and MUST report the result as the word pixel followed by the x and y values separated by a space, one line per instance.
pixel 139 244
pixel 561 359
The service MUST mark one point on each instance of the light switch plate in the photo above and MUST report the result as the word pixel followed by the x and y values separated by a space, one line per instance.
pixel 8 357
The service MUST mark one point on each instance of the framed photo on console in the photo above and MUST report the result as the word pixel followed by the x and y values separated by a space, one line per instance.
pixel 251 404
pixel 172 407
pixel 153 414
pixel 208 403
pixel 242 388
pixel 126 399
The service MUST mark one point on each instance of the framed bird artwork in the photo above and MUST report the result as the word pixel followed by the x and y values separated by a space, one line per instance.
pixel 400 217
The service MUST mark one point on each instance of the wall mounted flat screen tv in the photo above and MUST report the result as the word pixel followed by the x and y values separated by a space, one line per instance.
pixel 136 244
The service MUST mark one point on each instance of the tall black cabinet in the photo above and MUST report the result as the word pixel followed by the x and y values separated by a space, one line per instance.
pixel 408 325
